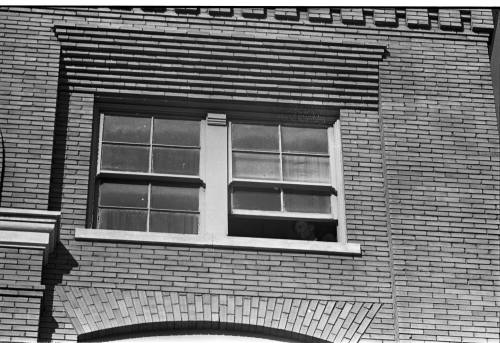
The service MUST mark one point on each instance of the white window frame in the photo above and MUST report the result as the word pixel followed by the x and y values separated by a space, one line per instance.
pixel 150 177
pixel 215 172
pixel 253 183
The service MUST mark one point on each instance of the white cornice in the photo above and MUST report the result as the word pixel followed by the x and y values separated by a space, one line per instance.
pixel 29 229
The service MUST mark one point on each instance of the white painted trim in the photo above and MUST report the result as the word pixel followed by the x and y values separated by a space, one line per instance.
pixel 25 213
pixel 29 229
pixel 339 186
pixel 210 240
pixel 282 214
pixel 24 238
pixel 216 207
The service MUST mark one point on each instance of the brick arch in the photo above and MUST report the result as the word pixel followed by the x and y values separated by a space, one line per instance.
pixel 101 311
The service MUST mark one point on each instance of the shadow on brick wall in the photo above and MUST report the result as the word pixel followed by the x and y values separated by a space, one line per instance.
pixel 143 331
pixel 60 140
pixel 61 262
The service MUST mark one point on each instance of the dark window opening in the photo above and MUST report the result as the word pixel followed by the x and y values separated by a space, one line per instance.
pixel 307 230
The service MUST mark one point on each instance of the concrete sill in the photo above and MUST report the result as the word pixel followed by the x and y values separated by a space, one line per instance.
pixel 219 242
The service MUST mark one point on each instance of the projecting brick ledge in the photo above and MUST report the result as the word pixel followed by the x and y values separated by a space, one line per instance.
pixel 29 229
pixel 433 19
pixel 94 311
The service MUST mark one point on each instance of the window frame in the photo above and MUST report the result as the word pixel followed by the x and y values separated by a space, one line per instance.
pixel 205 236
pixel 149 178
pixel 282 184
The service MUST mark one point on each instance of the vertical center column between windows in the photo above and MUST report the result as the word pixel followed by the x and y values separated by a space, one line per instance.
pixel 216 207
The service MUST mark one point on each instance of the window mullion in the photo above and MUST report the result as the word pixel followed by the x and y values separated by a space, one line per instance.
pixel 150 170
pixel 216 208
pixel 282 197
pixel 99 150
pixel 149 208
pixel 151 146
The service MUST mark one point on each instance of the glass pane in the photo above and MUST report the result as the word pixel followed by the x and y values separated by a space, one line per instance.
pixel 174 198
pixel 126 129
pixel 302 139
pixel 125 158
pixel 120 219
pixel 176 161
pixel 307 202
pixel 255 137
pixel 176 132
pixel 123 194
pixel 174 222
pixel 256 166
pixel 257 199
pixel 306 168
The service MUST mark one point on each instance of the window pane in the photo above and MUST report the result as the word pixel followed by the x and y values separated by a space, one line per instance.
pixel 306 168
pixel 126 129
pixel 174 198
pixel 174 222
pixel 123 194
pixel 307 202
pixel 257 199
pixel 125 158
pixel 120 219
pixel 256 166
pixel 176 132
pixel 176 161
pixel 301 139
pixel 255 137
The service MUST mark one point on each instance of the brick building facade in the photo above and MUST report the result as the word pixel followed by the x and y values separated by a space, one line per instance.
pixel 408 96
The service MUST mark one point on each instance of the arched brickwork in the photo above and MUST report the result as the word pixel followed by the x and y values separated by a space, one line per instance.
pixel 99 310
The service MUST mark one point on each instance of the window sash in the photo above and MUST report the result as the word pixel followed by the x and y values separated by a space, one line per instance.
pixel 148 207
pixel 150 146
pixel 282 184
pixel 150 177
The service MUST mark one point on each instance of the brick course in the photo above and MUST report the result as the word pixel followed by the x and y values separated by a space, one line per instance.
pixel 421 166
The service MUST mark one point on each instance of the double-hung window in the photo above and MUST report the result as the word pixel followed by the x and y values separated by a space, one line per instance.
pixel 223 180
pixel 282 182
pixel 148 174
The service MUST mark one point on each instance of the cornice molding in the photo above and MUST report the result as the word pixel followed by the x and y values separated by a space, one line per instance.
pixel 29 229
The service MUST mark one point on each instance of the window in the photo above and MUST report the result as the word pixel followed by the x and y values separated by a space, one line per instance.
pixel 216 182
pixel 148 174
pixel 282 183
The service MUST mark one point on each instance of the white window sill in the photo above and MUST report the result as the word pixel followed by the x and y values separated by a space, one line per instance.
pixel 224 242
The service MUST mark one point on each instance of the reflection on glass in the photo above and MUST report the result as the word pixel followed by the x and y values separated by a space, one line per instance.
pixel 123 194
pixel 176 132
pixel 126 129
pixel 257 199
pixel 302 139
pixel 176 161
pixel 121 219
pixel 307 202
pixel 306 168
pixel 125 157
pixel 170 222
pixel 256 166
pixel 174 198
pixel 255 137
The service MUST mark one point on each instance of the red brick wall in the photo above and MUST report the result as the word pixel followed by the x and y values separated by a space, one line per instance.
pixel 421 173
